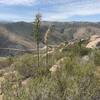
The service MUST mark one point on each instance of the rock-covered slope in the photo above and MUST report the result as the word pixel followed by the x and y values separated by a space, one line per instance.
pixel 61 31
pixel 19 34
pixel 94 42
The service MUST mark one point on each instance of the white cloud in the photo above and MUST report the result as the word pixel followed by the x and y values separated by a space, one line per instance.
pixel 56 1
pixel 59 10
pixel 17 2
pixel 55 17
pixel 13 17
pixel 78 8
pixel 81 8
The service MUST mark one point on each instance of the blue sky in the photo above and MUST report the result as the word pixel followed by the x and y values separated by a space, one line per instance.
pixel 51 10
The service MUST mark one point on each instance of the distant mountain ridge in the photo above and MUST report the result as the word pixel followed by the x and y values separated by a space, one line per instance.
pixel 19 34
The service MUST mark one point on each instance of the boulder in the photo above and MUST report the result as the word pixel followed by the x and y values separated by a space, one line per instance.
pixel 94 37
pixel 85 59
pixel 60 63
pixel 94 42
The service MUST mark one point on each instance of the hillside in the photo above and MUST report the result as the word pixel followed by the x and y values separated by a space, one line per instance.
pixel 72 73
pixel 19 35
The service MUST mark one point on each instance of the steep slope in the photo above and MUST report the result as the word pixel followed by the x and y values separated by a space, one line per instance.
pixel 19 34
pixel 62 30
pixel 14 38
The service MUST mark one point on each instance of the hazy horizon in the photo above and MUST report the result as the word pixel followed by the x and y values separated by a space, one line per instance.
pixel 4 21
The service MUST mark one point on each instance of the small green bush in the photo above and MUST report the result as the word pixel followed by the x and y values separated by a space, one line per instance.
pixel 27 66
pixel 24 65
pixel 84 51
pixel 97 57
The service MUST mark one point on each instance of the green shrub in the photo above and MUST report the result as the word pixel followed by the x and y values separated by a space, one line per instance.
pixel 97 57
pixel 84 51
pixel 13 90
pixel 73 81
pixel 25 65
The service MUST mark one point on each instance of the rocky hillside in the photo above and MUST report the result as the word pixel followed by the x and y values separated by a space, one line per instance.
pixel 19 35
pixel 72 73
pixel 94 42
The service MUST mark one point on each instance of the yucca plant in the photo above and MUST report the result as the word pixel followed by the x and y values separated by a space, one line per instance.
pixel 50 29
pixel 37 24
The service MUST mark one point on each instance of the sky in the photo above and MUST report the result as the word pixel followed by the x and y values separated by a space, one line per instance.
pixel 51 10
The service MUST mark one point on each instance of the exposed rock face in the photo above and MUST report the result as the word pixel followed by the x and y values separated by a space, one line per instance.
pixel 58 65
pixel 94 42
pixel 94 37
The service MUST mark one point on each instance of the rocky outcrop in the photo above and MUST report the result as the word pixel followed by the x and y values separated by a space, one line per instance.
pixel 60 63
pixel 94 37
pixel 94 42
